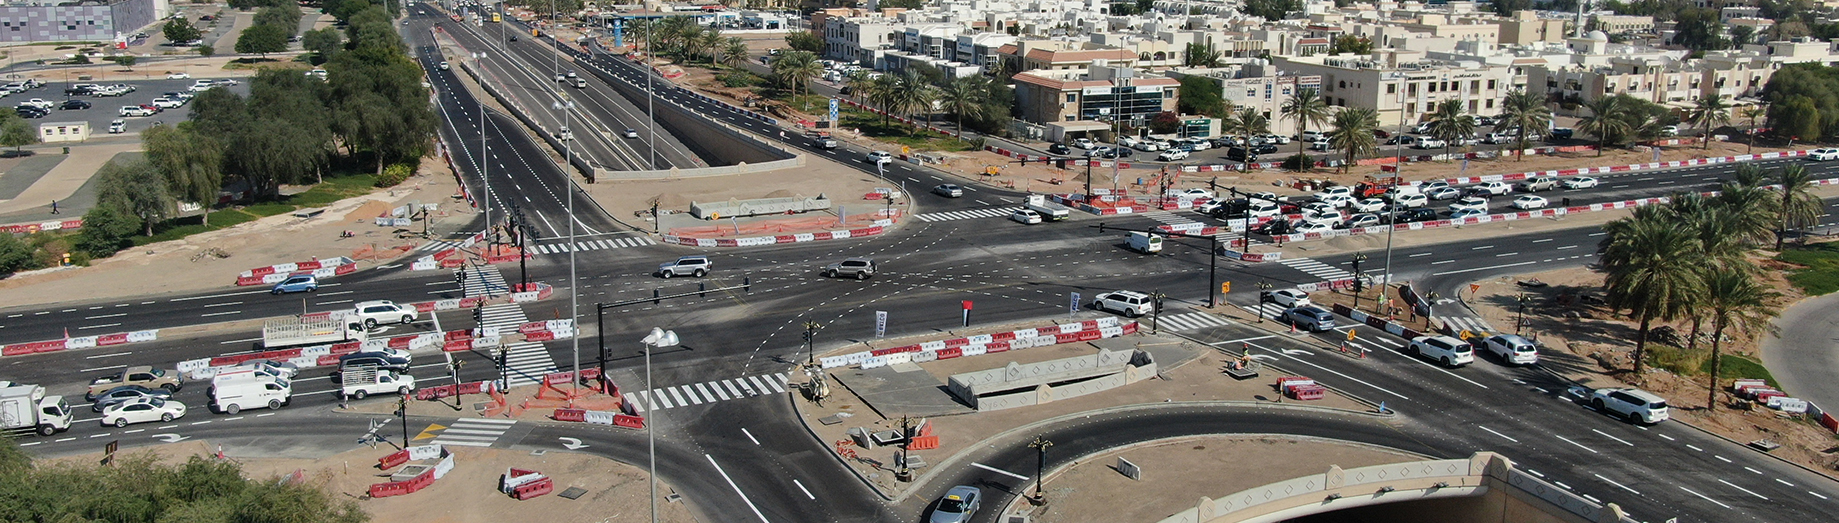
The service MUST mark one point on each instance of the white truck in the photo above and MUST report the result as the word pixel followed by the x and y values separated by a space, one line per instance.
pixel 232 391
pixel 1049 211
pixel 295 331
pixel 365 380
pixel 1145 243
pixel 26 408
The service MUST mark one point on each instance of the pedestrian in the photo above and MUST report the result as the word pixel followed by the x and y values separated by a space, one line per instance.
pixel 1567 201
pixel 53 206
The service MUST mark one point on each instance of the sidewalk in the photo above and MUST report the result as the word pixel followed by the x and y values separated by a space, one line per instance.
pixel 62 181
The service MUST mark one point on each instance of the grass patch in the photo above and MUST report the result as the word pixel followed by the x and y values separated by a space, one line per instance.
pixel 1740 367
pixel 1677 360
pixel 333 189
pixel 1821 272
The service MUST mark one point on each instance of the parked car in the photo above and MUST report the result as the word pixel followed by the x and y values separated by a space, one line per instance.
pixel 1058 149
pixel 1511 349
pixel 75 105
pixel 1429 143
pixel 118 126
pixel 135 110
pixel 1310 318
pixel 1561 133
pixel 1285 297
pixel 691 265
pixel 178 76
pixel 1084 143
pixel 1586 182
pixel 958 506
pixel 40 103
pixel 168 103
pixel 948 190
pixel 203 85
pixel 26 111
pixel 383 311
pixel 1449 351
pixel 142 410
pixel 858 268
pixel 1131 304
pixel 1631 404
pixel 1172 155
pixel 296 283
pixel 1530 202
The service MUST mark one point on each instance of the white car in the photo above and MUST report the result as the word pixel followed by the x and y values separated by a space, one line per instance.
pixel 1084 143
pixel 1129 303
pixel 118 126
pixel 1262 209
pixel 1195 193
pixel 1443 193
pixel 1288 298
pixel 1026 216
pixel 1822 155
pixel 1410 201
pixel 1467 213
pixel 1530 202
pixel 1493 188
pixel 1469 204
pixel 168 103
pixel 142 410
pixel 1632 404
pixel 383 311
pixel 445 66
pixel 39 103
pixel 1586 182
pixel 1330 218
pixel 1511 349
pixel 1279 140
pixel 1338 200
pixel 1369 205
pixel 631 133
pixel 1312 227
pixel 135 110
pixel 878 157
pixel 203 85
pixel 948 190
pixel 1172 155
pixel 1451 352
pixel 1147 146
pixel 1428 143
pixel 1339 190
pixel 1362 220
pixel 178 76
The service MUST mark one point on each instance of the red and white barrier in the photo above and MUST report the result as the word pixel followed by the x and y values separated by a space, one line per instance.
pixel 772 240
pixel 85 342
pixel 984 344
pixel 420 481
pixel 29 228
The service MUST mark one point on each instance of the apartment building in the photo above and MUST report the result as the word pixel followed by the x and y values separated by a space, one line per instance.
pixel 1622 24
pixel 859 38
pixel 1527 27
pixel 1100 92
pixel 1403 85
pixel 1256 86
pixel 1679 83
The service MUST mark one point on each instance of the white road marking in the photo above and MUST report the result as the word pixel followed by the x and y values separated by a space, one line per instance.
pixel 737 488
pixel 1579 445
pixel 999 471
pixel 1745 491
pixel 1606 435
pixel 1504 436
pixel 756 441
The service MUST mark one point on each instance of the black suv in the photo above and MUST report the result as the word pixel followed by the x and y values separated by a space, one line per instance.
pixel 1241 154
pixel 381 360
pixel 1059 148
pixel 1230 209
pixel 26 111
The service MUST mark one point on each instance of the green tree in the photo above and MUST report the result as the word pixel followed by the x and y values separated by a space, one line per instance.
pixel 1699 30
pixel 104 231
pixel 1751 113
pixel 1164 123
pixel 1707 112
pixel 1353 133
pixel 324 43
pixel 1450 123
pixel 205 50
pixel 1797 119
pixel 1651 271
pixel 1734 299
pixel 734 51
pixel 1607 122
pixel 1272 10
pixel 16 133
pixel 804 41
pixel 179 31
pixel 1523 113
pixel 1797 207
pixel 192 163
pixel 134 188
pixel 261 39
pixel 1358 45
pixel 1250 122
pixel 14 254
pixel 1741 35
pixel 1201 95
pixel 794 69
pixel 963 98
pixel 285 16
pixel 1306 107
pixel 913 95
pixel 1200 55
pixel 126 61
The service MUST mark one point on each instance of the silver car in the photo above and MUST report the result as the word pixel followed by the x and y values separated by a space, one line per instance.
pixel 958 505
pixel 858 268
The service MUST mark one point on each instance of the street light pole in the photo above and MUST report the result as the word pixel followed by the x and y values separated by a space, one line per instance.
pixel 811 328
pixel 1040 444
pixel 657 338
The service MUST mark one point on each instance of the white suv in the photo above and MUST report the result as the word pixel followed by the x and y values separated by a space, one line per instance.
pixel 1451 352
pixel 878 157
pixel 383 311
pixel 1632 404
pixel 691 265
pixel 135 110
pixel 1512 349
pixel 1129 303
pixel 1821 155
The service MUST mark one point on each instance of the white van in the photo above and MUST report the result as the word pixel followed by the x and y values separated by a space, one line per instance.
pixel 1144 242
pixel 249 389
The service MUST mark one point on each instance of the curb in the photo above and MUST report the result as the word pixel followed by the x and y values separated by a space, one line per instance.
pixel 793 398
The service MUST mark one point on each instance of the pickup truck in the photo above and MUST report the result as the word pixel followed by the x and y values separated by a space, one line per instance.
pixel 1049 211
pixel 824 142
pixel 142 375
pixel 356 383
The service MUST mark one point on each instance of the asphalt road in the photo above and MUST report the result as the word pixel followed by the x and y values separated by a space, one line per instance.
pixel 1800 350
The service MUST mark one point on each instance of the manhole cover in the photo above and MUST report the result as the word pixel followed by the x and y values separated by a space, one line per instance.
pixel 573 492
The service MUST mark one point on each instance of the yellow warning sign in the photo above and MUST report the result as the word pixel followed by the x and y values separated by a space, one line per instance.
pixel 429 432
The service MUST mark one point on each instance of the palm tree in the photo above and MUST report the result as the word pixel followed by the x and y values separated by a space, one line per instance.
pixel 1353 133
pixel 1709 111
pixel 1748 205
pixel 710 42
pixel 1798 207
pixel 1733 299
pixel 1448 123
pixel 734 52
pixel 858 84
pixel 963 97
pixel 1650 270
pixel 793 69
pixel 882 92
pixel 1307 107
pixel 1605 122
pixel 1250 122
pixel 1752 112
pixel 1522 112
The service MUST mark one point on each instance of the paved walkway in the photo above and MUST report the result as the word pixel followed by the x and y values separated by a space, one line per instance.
pixel 1802 353
pixel 62 181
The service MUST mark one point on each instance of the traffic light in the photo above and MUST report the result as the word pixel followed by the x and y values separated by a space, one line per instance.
pixel 479 315
pixel 747 284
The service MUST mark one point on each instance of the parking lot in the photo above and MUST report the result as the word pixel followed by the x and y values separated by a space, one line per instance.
pixel 1272 148
pixel 105 109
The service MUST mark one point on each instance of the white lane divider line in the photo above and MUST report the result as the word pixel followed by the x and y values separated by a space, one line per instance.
pixel 1579 445
pixel 1611 482
pixel 1704 497
pixel 801 487
pixel 737 488
pixel 1745 491
pixel 1503 436
pixel 999 471
pixel 1606 435
pixel 756 441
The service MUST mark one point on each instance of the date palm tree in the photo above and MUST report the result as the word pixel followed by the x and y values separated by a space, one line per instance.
pixel 859 84
pixel 1797 206
pixel 1709 111
pixel 1748 205
pixel 963 97
pixel 793 69
pixel 1651 270
pixel 1448 123
pixel 1734 299
pixel 1523 113
pixel 1353 133
pixel 1752 112
pixel 1306 107
pixel 1606 122
pixel 709 42
pixel 734 51
pixel 1248 123
pixel 881 92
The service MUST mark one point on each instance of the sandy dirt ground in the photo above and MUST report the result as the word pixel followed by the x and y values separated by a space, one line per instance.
pixel 469 494
pixel 1177 473
pixel 168 267
pixel 1585 342
pixel 1199 379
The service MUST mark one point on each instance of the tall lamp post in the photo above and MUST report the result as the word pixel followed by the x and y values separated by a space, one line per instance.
pixel 1040 444
pixel 1520 323
pixel 657 338
pixel 811 328
pixel 1264 290
pixel 1155 314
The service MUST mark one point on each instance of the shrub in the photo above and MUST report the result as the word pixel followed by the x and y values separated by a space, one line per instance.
pixel 739 79
pixel 105 232
pixel 394 175
pixel 15 255
pixel 1293 161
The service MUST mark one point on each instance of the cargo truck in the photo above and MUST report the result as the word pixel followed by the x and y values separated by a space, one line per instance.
pixel 1049 211
pixel 295 331
pixel 26 408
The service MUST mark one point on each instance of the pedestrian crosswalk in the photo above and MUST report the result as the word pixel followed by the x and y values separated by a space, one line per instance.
pixel 1316 268
pixel 484 280
pixel 437 246
pixel 1464 323
pixel 966 215
pixel 1189 321
pixel 1167 217
pixel 592 245
pixel 708 392
pixel 1266 310
pixel 468 432
pixel 525 362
